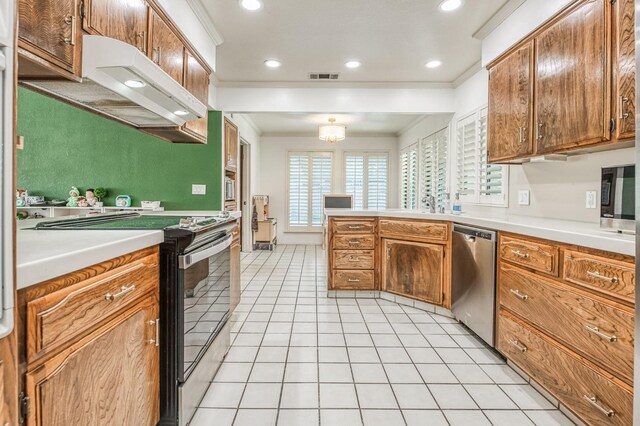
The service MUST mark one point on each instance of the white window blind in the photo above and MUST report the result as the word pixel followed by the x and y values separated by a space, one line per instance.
pixel 433 166
pixel 309 178
pixel 477 181
pixel 367 179
pixel 409 177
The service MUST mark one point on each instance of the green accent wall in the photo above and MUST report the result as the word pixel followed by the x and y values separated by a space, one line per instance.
pixel 65 146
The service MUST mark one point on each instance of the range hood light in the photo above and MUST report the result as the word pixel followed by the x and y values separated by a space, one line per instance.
pixel 181 112
pixel 135 84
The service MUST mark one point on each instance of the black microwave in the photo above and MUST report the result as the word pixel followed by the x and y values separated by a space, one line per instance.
pixel 618 198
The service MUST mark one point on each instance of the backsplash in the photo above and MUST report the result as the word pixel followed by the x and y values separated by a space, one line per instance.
pixel 65 146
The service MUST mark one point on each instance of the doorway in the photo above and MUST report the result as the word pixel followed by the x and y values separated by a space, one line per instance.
pixel 244 197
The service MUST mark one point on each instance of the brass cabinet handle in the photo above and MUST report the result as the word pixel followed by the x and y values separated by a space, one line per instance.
pixel 354 259
pixel 598 275
pixel 595 330
pixel 356 226
pixel 540 135
pixel 519 295
pixel 623 113
pixel 354 242
pixel 523 135
pixel 158 54
pixel 593 400
pixel 520 254
pixel 518 345
pixel 143 36
pixel 155 341
pixel 353 280
pixel 71 20
pixel 123 291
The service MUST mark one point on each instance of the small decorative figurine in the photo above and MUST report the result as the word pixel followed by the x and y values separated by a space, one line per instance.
pixel 100 193
pixel 123 201
pixel 72 201
pixel 82 202
pixel 90 197
pixel 21 197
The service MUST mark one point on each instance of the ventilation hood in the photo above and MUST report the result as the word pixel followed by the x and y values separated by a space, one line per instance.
pixel 109 70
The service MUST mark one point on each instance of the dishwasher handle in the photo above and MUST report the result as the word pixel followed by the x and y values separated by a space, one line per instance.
pixel 471 234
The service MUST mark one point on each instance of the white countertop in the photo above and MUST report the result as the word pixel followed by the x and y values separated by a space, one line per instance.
pixel 564 231
pixel 43 255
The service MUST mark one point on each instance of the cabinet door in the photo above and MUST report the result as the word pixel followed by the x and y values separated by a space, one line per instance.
pixel 124 20
pixel 573 79
pixel 49 30
pixel 413 269
pixel 196 81
pixel 231 145
pixel 624 95
pixel 109 377
pixel 234 273
pixel 510 106
pixel 166 48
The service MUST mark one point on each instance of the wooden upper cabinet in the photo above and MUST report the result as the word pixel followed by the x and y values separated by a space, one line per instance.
pixel 196 81
pixel 573 78
pixel 167 50
pixel 510 125
pixel 413 269
pixel 49 38
pixel 124 20
pixel 624 95
pixel 230 146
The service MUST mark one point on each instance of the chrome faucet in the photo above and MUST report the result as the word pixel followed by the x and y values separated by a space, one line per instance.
pixel 430 202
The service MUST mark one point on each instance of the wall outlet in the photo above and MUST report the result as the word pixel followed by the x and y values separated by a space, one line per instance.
pixel 591 200
pixel 523 197
pixel 198 189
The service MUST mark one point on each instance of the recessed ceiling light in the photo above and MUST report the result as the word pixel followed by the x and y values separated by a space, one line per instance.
pixel 433 64
pixel 449 5
pixel 272 63
pixel 353 64
pixel 134 84
pixel 181 112
pixel 251 4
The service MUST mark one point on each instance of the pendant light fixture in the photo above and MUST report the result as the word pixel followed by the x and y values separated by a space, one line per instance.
pixel 332 132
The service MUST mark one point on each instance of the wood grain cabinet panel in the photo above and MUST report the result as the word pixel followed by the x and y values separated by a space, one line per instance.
pixel 167 50
pixel 353 259
pixel 589 393
pixel 415 229
pixel 572 97
pixel 230 146
pixel 510 126
pixel 124 20
pixel 624 96
pixel 413 269
pixel 353 280
pixel 108 377
pixel 531 254
pixel 196 81
pixel 354 227
pixel 599 331
pixel 349 242
pixel 610 277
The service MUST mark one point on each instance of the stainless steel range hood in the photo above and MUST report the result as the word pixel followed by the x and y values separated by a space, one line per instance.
pixel 118 80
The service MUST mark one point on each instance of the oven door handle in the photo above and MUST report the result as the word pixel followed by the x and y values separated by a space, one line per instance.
pixel 188 260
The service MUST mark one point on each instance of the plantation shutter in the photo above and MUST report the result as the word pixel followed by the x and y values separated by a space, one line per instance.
pixel 409 177
pixel 433 174
pixel 298 190
pixel 310 177
pixel 467 158
pixel 377 180
pixel 354 178
pixel 320 185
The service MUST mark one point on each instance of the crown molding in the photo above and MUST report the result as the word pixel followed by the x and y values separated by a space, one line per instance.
pixel 206 21
pixel 467 74
pixel 330 85
pixel 251 124
pixel 498 18
pixel 412 124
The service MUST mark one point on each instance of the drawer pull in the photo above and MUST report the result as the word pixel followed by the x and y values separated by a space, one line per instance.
pixel 519 295
pixel 596 274
pixel 155 341
pixel 518 345
pixel 354 259
pixel 520 254
pixel 123 291
pixel 71 20
pixel 356 226
pixel 353 280
pixel 595 330
pixel 354 242
pixel 593 400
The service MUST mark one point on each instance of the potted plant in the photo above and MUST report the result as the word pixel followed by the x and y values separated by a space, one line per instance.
pixel 100 193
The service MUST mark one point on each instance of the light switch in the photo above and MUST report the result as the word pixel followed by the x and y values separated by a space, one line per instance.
pixel 198 189
pixel 523 197
pixel 591 200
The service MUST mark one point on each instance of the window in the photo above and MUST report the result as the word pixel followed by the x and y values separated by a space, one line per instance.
pixel 433 166
pixel 366 176
pixel 409 177
pixel 477 181
pixel 310 177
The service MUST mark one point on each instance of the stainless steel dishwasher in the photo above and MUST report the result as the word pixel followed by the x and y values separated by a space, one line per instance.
pixel 473 286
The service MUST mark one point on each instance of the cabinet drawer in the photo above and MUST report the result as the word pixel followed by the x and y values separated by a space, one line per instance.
pixel 353 242
pixel 584 390
pixel 532 254
pixel 62 315
pixel 353 259
pixel 415 229
pixel 599 331
pixel 354 227
pixel 353 280
pixel 608 276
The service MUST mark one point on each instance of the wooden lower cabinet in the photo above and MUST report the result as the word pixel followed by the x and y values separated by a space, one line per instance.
pixel 413 269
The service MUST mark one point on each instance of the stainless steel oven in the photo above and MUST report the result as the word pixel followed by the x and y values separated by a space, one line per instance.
pixel 618 198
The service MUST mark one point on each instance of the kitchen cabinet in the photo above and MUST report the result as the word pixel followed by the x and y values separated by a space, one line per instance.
pixel 352 253
pixel 49 38
pixel 167 50
pixel 510 126
pixel 572 79
pixel 230 146
pixel 624 95
pixel 8 380
pixel 196 81
pixel 124 20
pixel 413 269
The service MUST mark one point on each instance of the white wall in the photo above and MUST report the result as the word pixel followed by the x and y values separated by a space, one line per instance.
pixel 425 127
pixel 273 155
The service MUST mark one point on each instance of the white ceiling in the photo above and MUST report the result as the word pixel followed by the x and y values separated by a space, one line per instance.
pixel 392 38
pixel 307 124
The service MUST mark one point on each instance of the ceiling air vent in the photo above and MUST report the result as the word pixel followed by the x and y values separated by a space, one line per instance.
pixel 323 76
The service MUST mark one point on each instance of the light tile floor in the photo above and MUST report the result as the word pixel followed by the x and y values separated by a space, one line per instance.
pixel 300 358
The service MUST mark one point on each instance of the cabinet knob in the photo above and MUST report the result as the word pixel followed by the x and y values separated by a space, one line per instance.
pixel 70 20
